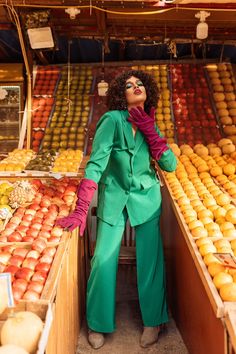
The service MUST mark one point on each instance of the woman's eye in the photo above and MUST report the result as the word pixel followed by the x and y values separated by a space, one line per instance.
pixel 139 83
pixel 128 86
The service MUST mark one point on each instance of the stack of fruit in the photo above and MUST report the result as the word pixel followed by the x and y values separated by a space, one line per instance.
pixel 42 162
pixel 163 111
pixel 16 160
pixel 68 161
pixel 222 82
pixel 71 112
pixel 46 80
pixel 194 117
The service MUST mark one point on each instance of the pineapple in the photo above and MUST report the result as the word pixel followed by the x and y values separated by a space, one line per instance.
pixel 22 193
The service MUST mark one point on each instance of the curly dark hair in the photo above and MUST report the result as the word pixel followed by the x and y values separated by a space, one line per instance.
pixel 116 99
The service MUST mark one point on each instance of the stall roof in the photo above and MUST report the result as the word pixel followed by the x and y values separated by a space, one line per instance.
pixel 124 30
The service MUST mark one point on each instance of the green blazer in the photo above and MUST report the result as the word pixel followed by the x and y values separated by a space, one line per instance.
pixel 120 164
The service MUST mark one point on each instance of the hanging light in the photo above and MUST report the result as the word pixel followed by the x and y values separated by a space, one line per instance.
pixel 72 12
pixel 202 26
pixel 103 85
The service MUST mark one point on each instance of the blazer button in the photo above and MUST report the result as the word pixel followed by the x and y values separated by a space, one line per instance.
pixel 130 175
pixel 126 192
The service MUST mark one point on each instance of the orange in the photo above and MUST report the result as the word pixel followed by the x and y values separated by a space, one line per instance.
pixel 205 213
pixel 215 268
pixel 207 248
pixel 210 258
pixel 203 241
pixel 229 233
pixel 228 292
pixel 227 226
pixel 219 212
pixel 199 232
pixel 194 224
pixel 222 278
pixel 231 215
pixel 222 243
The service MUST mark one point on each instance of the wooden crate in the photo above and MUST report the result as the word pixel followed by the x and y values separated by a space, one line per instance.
pixel 40 308
pixel 69 300
pixel 195 304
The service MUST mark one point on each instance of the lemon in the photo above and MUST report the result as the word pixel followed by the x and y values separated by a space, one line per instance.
pixel 4 200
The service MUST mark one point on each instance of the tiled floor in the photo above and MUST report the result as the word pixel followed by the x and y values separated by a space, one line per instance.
pixel 129 326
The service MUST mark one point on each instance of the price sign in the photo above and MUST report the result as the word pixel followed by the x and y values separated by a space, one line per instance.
pixel 6 290
pixel 226 259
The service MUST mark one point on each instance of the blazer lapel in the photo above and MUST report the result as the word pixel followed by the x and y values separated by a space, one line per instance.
pixel 133 143
pixel 138 140
pixel 128 131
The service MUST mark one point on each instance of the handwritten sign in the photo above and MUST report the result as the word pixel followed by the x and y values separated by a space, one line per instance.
pixel 226 259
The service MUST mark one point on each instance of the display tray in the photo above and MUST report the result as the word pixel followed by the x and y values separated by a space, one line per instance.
pixel 43 310
pixel 214 297
pixel 49 290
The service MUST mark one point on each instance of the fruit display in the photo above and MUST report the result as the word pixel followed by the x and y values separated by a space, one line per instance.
pixel 69 121
pixel 204 189
pixel 68 161
pixel 29 268
pixel 223 86
pixel 163 111
pixel 42 162
pixel 193 113
pixel 46 80
pixel 38 211
pixel 16 160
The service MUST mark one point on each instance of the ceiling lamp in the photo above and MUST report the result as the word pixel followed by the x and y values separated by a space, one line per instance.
pixel 202 26
pixel 72 12
pixel 103 85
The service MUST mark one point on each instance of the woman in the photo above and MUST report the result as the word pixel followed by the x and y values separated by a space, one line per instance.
pixel 126 140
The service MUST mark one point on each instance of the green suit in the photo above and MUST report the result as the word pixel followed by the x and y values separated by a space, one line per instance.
pixel 128 187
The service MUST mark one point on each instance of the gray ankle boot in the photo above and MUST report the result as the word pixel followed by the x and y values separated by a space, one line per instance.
pixel 96 339
pixel 149 336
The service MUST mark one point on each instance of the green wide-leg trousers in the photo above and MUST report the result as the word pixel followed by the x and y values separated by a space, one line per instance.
pixel 101 288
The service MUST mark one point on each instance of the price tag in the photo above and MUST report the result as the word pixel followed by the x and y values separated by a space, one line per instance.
pixel 226 259
pixel 6 289
pixel 55 175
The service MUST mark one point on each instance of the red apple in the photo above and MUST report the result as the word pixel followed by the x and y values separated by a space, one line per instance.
pixel 49 251
pixel 16 260
pixel 17 294
pixel 20 284
pixel 39 244
pixel 20 252
pixel 11 269
pixel 36 226
pixel 27 217
pixel 43 266
pixel 15 237
pixel 16 220
pixel 46 258
pixel 33 253
pixel 40 276
pixel 24 273
pixel 31 295
pixel 30 263
pixel 35 286
pixel 4 257
pixel 27 239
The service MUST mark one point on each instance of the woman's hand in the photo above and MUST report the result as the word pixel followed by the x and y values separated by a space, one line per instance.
pixel 146 124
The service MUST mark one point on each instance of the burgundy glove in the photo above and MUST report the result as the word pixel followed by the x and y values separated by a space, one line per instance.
pixel 146 124
pixel 78 217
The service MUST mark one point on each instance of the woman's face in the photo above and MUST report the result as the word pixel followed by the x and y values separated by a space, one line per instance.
pixel 135 92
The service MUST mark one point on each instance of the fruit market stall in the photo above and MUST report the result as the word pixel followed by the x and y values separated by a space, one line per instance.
pixel 200 208
pixel 47 265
